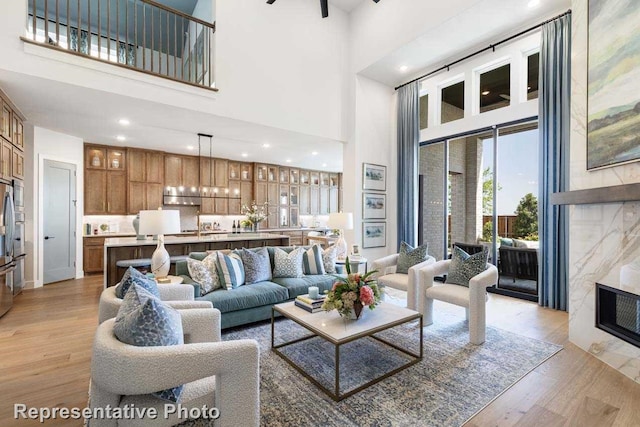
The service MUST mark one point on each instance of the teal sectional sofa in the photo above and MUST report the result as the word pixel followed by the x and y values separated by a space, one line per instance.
pixel 252 303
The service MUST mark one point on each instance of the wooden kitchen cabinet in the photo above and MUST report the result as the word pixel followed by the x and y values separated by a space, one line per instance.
pixel 93 255
pixel 144 196
pixel 95 192
pixel 304 200
pixel 105 183
pixel 260 192
pixel 6 158
pixel 190 171
pixel 246 193
pixel 116 193
pixel 146 166
pixel 18 131
pixel 206 173
pixel 18 164
pixel 172 170
pixel 221 173
pixel 5 128
pixel 181 171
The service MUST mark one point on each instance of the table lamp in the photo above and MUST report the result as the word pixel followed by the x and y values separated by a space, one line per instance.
pixel 341 221
pixel 158 223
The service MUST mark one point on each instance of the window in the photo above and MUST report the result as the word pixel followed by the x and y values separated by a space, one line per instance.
pixel 533 70
pixel 495 88
pixel 424 112
pixel 452 107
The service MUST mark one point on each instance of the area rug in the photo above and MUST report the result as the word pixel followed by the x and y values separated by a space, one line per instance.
pixel 453 381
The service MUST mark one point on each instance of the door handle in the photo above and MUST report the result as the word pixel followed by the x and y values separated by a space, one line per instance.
pixel 49 237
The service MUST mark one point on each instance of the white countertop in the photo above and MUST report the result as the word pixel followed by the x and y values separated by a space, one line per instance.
pixel 168 240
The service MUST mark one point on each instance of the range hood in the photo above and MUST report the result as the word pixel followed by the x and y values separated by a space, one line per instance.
pixel 181 196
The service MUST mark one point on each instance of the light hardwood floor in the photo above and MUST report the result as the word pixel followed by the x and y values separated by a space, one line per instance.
pixel 45 350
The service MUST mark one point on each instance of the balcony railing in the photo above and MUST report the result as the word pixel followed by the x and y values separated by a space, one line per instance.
pixel 140 35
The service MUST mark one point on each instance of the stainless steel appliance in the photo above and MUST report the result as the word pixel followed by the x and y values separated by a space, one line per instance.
pixel 7 266
pixel 19 254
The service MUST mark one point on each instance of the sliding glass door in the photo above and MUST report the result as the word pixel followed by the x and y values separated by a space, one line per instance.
pixel 481 188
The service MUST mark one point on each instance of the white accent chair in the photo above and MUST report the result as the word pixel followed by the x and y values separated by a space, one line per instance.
pixel 473 298
pixel 387 277
pixel 177 296
pixel 219 374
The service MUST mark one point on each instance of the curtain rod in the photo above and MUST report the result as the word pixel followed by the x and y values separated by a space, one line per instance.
pixel 491 46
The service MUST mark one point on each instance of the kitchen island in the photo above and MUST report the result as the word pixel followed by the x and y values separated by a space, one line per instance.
pixel 129 248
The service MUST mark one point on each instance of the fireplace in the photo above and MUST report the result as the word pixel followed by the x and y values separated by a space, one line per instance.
pixel 618 312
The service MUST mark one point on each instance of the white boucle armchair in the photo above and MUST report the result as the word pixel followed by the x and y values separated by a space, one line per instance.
pixel 387 277
pixel 176 296
pixel 472 298
pixel 219 374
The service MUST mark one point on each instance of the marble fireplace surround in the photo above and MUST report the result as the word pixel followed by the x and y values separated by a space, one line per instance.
pixel 605 236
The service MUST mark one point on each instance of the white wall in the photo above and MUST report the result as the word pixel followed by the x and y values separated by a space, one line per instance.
pixel 602 238
pixel 373 141
pixel 49 145
pixel 280 65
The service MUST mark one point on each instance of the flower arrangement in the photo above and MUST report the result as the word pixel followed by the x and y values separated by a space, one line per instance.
pixel 255 213
pixel 352 293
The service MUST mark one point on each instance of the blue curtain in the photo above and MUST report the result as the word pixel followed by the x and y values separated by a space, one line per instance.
pixel 554 102
pixel 408 136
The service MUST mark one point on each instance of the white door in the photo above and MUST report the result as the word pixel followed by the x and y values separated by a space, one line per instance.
pixel 59 211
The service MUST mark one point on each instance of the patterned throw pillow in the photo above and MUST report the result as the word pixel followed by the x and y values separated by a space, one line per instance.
pixel 329 256
pixel 312 260
pixel 409 257
pixel 464 267
pixel 288 264
pixel 145 321
pixel 257 267
pixel 132 276
pixel 205 273
pixel 230 270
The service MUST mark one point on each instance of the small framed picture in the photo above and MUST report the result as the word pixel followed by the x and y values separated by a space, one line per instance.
pixel 374 177
pixel 355 250
pixel 374 234
pixel 374 206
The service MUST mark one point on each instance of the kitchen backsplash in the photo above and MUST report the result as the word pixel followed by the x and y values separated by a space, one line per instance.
pixel 109 224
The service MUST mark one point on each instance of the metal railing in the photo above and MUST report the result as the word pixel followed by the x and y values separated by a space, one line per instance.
pixel 137 34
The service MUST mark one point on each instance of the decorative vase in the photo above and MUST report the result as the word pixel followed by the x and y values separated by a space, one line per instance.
pixel 255 227
pixel 356 311
pixel 136 226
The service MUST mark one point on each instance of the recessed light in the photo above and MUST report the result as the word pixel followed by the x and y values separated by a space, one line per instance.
pixel 404 68
pixel 324 165
pixel 190 147
pixel 528 87
pixel 486 92
pixel 124 122
pixel 266 145
pixel 533 3
pixel 315 153
pixel 244 155
pixel 288 160
pixel 121 138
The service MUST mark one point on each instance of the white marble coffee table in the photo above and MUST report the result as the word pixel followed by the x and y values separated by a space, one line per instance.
pixel 332 328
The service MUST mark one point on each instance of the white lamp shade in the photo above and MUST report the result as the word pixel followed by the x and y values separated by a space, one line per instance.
pixel 159 222
pixel 340 221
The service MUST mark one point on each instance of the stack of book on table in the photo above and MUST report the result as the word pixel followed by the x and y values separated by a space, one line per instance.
pixel 311 305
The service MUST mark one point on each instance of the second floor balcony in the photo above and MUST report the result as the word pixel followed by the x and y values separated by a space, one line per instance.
pixel 142 35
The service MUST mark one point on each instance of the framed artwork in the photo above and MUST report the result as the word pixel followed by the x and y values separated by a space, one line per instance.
pixel 374 206
pixel 613 102
pixel 374 177
pixel 374 234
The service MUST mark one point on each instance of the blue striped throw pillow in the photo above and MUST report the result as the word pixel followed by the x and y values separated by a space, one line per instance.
pixel 312 261
pixel 230 270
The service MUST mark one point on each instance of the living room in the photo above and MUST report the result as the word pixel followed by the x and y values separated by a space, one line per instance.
pixel 289 88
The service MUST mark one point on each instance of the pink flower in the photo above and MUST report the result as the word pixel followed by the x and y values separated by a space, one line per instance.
pixel 366 295
pixel 335 285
